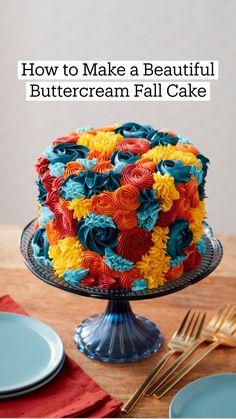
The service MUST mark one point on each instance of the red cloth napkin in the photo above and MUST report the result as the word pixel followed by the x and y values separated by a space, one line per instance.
pixel 71 394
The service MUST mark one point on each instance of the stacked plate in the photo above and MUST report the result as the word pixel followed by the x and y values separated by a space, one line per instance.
pixel 31 354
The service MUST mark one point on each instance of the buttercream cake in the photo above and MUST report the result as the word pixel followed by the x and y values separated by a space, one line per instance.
pixel 120 207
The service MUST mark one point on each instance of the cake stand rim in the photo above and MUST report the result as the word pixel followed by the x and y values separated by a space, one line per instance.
pixel 132 297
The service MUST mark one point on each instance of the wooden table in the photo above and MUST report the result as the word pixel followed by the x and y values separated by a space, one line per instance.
pixel 63 311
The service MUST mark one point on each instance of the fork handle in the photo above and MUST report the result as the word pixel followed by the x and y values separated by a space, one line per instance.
pixel 152 389
pixel 139 392
pixel 167 386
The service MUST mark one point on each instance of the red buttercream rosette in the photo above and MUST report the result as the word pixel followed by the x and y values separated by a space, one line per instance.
pixel 165 218
pixel 53 196
pixel 194 259
pixel 88 281
pixel 47 180
pixel 141 177
pixel 134 243
pixel 68 139
pixel 92 261
pixel 64 221
pixel 41 165
pixel 179 209
pixel 56 184
pixel 107 283
pixel 52 199
pixel 36 225
pixel 175 273
pixel 134 145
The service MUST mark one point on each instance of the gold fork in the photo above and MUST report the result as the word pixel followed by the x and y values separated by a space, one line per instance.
pixel 207 335
pixel 184 335
pixel 225 336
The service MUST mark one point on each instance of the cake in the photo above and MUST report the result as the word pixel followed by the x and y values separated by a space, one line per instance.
pixel 120 207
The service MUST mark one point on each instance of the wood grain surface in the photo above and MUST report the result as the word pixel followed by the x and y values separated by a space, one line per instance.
pixel 64 311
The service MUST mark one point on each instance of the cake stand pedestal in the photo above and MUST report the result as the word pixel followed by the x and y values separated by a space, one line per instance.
pixel 118 335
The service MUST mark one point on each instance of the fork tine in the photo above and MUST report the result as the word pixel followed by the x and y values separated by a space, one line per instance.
pixel 218 315
pixel 233 329
pixel 226 320
pixel 200 327
pixel 223 316
pixel 229 325
pixel 191 333
pixel 197 320
pixel 232 320
pixel 186 332
pixel 182 324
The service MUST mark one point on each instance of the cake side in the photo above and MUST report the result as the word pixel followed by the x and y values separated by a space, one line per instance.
pixel 120 206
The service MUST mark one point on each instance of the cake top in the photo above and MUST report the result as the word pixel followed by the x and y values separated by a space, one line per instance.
pixel 120 206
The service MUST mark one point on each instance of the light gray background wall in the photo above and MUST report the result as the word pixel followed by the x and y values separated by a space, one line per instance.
pixel 109 29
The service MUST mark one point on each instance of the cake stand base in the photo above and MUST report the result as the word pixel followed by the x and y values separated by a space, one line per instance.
pixel 118 335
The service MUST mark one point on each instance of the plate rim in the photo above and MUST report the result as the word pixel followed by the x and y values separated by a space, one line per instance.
pixel 192 383
pixel 38 385
pixel 60 354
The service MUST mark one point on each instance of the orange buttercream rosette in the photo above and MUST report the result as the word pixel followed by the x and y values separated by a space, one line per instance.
pixel 147 164
pixel 188 148
pixel 63 202
pixel 121 205
pixel 95 131
pixel 126 278
pixel 103 167
pixel 73 168
pixel 70 138
pixel 112 273
pixel 53 235
pixel 126 198
pixel 38 211
pixel 73 134
pixel 102 156
pixel 92 261
pixel 190 190
pixel 126 219
pixel 103 204
pixel 183 204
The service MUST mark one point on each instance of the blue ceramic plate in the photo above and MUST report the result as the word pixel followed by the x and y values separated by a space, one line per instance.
pixel 209 397
pixel 26 390
pixel 30 351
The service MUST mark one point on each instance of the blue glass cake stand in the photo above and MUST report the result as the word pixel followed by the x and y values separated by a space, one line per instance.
pixel 118 335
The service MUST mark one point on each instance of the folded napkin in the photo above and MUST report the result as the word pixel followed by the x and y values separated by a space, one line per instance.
pixel 72 393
